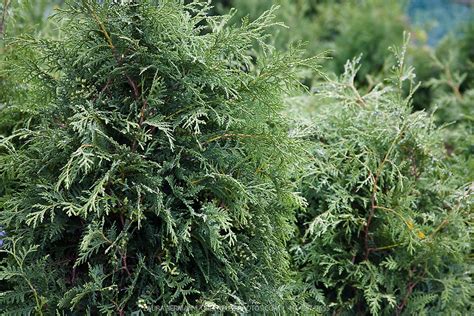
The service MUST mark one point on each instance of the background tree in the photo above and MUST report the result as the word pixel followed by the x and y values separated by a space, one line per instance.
pixel 19 17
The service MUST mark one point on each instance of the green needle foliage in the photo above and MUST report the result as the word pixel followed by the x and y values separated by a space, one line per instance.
pixel 387 227
pixel 159 173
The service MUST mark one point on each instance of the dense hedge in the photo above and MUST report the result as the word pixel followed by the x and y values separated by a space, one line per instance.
pixel 157 156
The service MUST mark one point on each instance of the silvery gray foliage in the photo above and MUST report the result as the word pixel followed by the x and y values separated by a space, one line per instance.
pixel 386 230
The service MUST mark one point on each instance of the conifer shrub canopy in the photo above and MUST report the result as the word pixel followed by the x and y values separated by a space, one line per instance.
pixel 160 170
pixel 387 226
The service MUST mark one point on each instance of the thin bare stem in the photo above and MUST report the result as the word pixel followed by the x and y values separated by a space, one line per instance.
pixel 373 198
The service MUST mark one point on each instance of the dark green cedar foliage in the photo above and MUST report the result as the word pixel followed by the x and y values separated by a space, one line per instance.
pixel 159 173
pixel 386 231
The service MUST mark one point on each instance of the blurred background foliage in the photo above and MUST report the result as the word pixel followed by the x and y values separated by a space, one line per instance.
pixel 25 18
pixel 342 29
pixel 441 38
pixel 439 17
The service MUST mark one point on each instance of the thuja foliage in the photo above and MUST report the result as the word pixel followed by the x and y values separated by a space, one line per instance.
pixel 387 227
pixel 159 171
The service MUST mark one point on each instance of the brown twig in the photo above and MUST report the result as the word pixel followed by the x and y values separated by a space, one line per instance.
pixel 73 275
pixel 136 91
pixel 124 264
pixel 106 86
pixel 410 287
pixel 134 86
pixel 451 83
pixel 373 198
pixel 360 100
pixel 142 112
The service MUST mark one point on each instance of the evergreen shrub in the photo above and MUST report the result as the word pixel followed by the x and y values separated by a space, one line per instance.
pixel 160 170
pixel 387 227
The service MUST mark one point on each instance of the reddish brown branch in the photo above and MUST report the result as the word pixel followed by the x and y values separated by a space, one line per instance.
pixel 119 59
pixel 373 199
pixel 73 275
pixel 125 265
pixel 134 86
pixel 142 112
pixel 122 220
pixel 106 86
pixel 373 206
pixel 410 287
